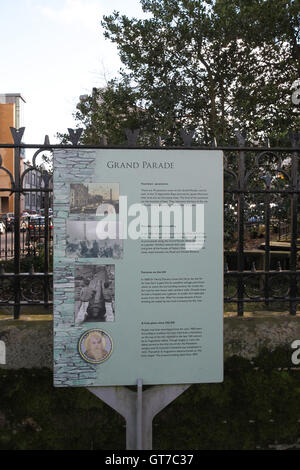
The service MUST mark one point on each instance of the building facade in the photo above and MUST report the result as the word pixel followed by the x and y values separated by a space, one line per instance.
pixel 33 200
pixel 11 115
pixel 79 195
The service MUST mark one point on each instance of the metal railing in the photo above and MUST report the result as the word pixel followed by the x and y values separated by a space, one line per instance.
pixel 263 175
pixel 25 244
pixel 261 194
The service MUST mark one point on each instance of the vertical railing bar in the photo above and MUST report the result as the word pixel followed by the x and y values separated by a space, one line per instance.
pixel 240 250
pixel 23 242
pixel 5 244
pixel 39 235
pixel 17 197
pixel 11 249
pixel 294 200
pixel 34 238
pixel 46 240
pixel 28 235
pixel 267 240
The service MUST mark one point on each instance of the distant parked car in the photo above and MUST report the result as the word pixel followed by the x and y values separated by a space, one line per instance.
pixel 36 227
pixel 23 223
pixel 9 220
pixel 50 211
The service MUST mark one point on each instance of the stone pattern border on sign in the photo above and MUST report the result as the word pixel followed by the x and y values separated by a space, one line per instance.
pixel 69 369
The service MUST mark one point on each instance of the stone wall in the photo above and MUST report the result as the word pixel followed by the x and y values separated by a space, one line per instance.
pixel 29 343
pixel 256 407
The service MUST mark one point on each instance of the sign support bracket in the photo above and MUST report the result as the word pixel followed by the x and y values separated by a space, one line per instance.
pixel 139 408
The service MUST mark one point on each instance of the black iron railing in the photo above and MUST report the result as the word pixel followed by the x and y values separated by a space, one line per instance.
pixel 25 240
pixel 261 197
pixel 262 178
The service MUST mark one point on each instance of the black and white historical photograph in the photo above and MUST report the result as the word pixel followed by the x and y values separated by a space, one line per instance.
pixel 86 239
pixel 94 198
pixel 94 293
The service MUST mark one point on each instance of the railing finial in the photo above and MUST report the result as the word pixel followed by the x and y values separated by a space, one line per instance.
pixel 187 137
pixel 46 140
pixel 268 179
pixel 132 136
pixel 17 134
pixel 74 135
pixel 240 137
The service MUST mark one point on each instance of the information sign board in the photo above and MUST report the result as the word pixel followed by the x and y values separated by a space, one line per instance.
pixel 138 266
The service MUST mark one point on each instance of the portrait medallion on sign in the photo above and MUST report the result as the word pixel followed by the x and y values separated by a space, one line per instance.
pixel 95 346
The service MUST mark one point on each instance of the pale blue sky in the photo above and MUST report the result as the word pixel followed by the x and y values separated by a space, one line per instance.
pixel 52 51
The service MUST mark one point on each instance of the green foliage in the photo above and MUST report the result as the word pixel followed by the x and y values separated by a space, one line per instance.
pixel 254 408
pixel 37 416
pixel 28 262
pixel 257 406
pixel 209 65
pixel 108 112
pixel 212 65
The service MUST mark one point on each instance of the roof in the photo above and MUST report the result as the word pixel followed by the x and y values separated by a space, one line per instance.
pixel 4 96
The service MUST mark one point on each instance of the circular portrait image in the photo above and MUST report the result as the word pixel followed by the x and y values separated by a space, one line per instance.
pixel 95 346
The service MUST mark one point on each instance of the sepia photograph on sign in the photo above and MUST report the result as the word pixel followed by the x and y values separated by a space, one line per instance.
pixel 94 293
pixel 94 198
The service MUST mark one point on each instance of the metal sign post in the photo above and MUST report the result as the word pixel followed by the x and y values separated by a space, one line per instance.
pixel 139 408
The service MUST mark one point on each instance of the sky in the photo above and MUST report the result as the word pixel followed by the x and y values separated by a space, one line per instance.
pixel 53 51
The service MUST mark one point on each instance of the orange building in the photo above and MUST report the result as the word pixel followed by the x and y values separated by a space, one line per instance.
pixel 11 115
